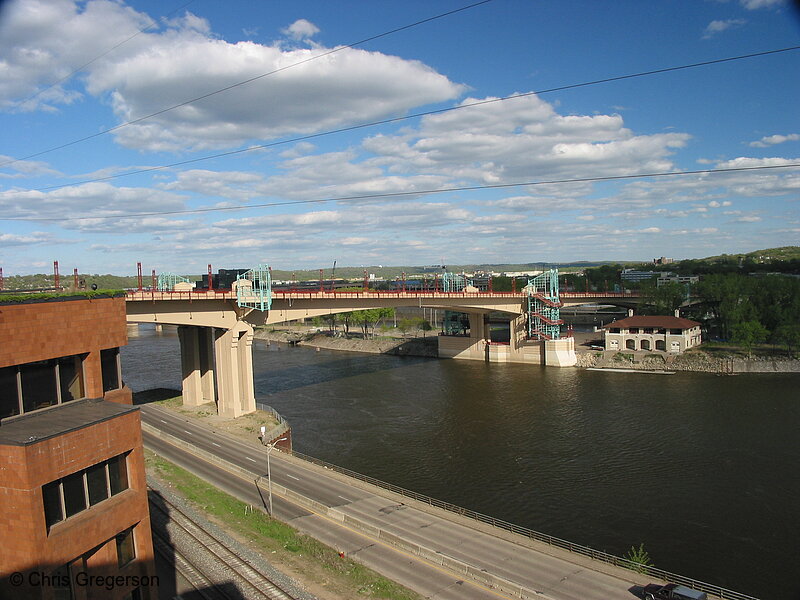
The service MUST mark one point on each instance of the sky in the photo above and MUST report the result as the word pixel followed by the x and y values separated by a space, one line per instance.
pixel 183 133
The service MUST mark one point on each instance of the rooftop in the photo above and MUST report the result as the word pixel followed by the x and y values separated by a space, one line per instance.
pixel 34 427
pixel 665 321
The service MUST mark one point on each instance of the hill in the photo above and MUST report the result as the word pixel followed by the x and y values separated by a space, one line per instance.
pixel 760 256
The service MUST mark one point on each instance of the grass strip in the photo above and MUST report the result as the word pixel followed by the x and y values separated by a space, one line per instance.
pixel 272 537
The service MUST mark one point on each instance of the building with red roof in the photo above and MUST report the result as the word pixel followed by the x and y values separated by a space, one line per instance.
pixel 652 333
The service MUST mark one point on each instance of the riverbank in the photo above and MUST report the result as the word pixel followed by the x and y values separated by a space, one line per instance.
pixel 695 360
pixel 399 346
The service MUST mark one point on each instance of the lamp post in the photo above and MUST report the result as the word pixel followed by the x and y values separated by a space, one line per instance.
pixel 270 448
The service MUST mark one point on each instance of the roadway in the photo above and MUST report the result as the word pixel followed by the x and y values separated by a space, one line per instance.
pixel 552 575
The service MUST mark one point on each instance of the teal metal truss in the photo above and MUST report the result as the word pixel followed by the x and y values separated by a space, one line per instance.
pixel 168 281
pixel 452 282
pixel 455 323
pixel 544 314
pixel 254 288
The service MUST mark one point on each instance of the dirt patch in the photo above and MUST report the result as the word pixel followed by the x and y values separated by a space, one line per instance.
pixel 412 346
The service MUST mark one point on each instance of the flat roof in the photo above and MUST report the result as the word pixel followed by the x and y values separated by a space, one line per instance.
pixel 37 426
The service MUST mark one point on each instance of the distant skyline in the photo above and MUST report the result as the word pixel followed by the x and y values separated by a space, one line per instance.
pixel 73 69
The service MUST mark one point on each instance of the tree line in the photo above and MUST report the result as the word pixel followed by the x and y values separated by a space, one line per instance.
pixel 744 309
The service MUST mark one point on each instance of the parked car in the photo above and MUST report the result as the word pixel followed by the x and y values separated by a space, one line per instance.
pixel 672 591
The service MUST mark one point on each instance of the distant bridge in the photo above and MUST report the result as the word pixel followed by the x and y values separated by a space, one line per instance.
pixel 215 327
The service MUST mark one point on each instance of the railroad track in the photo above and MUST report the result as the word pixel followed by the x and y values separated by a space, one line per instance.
pixel 215 570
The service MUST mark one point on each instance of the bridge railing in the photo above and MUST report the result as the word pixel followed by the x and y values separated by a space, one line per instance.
pixel 154 294
pixel 652 572
pixel 226 294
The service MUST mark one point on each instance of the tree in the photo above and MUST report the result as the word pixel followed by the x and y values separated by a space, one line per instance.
pixel 640 558
pixel 425 326
pixel 405 324
pixel 788 334
pixel 663 300
pixel 749 333
pixel 368 319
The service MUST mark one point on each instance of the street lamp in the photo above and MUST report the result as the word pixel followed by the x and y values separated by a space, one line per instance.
pixel 270 447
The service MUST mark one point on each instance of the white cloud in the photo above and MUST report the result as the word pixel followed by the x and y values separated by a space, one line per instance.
pixel 90 200
pixel 301 30
pixel 34 55
pixel 771 140
pixel 26 239
pixel 24 168
pixel 756 4
pixel 716 27
pixel 159 69
pixel 351 86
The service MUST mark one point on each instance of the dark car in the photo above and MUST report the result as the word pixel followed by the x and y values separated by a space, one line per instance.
pixel 672 591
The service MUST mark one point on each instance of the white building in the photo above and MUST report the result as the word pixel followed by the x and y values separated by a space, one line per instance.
pixel 652 333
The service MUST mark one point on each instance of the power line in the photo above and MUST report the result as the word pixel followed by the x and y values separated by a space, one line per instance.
pixel 415 115
pixel 95 59
pixel 246 81
pixel 414 193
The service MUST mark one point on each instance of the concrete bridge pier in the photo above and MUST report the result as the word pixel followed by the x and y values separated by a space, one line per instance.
pixel 217 366
pixel 234 357
pixel 197 364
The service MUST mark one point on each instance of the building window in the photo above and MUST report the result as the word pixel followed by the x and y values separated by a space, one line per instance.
pixel 31 386
pixel 630 344
pixel 97 483
pixel 614 330
pixel 76 492
pixel 39 388
pixel 118 474
pixel 70 378
pixel 648 330
pixel 9 392
pixel 134 594
pixel 125 549
pixel 645 344
pixel 634 330
pixel 109 363
pixel 61 582
pixel 53 509
pixel 676 332
pixel 661 345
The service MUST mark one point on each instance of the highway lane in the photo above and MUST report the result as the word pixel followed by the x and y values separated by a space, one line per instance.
pixel 552 577
pixel 428 580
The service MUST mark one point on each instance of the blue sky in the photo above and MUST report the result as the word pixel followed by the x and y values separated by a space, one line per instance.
pixel 71 69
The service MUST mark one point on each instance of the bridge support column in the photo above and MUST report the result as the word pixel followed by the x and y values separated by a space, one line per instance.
pixel 196 365
pixel 233 349
pixel 477 326
pixel 560 352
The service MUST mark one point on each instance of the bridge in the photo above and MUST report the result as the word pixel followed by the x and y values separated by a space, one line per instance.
pixel 215 327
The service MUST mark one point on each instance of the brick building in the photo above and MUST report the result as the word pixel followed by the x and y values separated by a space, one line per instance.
pixel 74 519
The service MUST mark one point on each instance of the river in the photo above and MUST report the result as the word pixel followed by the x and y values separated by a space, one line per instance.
pixel 703 469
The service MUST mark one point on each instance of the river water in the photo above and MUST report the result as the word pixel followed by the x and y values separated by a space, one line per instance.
pixel 704 469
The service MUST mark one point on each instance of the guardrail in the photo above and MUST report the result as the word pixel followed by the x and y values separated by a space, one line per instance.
pixel 151 294
pixel 709 588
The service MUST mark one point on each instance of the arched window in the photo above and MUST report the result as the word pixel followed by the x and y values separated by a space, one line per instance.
pixel 630 344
